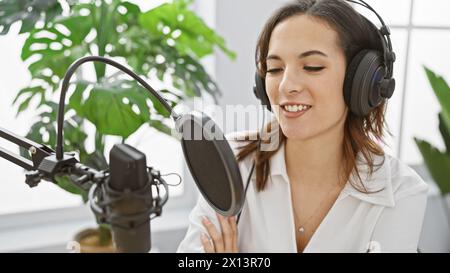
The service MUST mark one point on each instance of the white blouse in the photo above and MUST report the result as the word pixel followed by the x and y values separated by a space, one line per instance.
pixel 387 221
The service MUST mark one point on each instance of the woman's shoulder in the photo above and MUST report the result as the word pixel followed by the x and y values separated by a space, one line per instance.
pixel 391 181
pixel 404 180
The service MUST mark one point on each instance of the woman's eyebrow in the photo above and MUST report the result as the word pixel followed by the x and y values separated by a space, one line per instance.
pixel 302 55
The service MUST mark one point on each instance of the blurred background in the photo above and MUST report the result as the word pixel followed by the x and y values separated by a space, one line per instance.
pixel 201 48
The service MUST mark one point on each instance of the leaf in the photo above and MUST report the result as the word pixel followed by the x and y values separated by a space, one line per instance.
pixel 445 132
pixel 53 13
pixel 28 12
pixel 437 163
pixel 57 50
pixel 442 92
pixel 76 99
pixel 23 105
pixel 105 109
pixel 29 93
pixel 74 136
pixel 29 22
pixel 132 13
pixel 138 95
pixel 161 127
pixel 195 38
pixel 103 26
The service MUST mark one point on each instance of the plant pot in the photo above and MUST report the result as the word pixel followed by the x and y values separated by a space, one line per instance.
pixel 89 242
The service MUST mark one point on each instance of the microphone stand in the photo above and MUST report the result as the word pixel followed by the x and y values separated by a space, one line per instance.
pixel 47 164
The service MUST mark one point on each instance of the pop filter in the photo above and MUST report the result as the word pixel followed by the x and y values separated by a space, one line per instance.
pixel 211 162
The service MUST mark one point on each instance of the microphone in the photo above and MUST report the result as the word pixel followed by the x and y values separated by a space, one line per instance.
pixel 129 216
pixel 125 200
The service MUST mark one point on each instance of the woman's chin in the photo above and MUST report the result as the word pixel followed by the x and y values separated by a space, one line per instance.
pixel 297 133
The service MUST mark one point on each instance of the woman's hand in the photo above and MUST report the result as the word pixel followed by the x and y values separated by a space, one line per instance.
pixel 225 241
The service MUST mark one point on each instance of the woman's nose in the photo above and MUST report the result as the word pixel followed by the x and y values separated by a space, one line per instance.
pixel 291 82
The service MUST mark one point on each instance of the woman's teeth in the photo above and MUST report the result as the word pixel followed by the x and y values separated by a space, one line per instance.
pixel 296 108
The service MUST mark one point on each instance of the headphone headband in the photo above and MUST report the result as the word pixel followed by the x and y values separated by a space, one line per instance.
pixel 384 32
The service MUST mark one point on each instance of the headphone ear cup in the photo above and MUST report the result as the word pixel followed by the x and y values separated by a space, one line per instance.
pixel 362 82
pixel 260 91
pixel 350 75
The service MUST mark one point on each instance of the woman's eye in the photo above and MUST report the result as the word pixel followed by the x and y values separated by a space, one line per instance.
pixel 275 70
pixel 313 68
pixel 307 68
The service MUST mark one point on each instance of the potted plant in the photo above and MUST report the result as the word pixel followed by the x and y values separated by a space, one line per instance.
pixel 438 162
pixel 163 44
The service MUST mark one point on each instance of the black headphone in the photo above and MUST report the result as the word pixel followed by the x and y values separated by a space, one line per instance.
pixel 368 78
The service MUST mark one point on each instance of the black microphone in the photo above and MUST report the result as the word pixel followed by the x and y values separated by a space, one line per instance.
pixel 128 191
pixel 125 201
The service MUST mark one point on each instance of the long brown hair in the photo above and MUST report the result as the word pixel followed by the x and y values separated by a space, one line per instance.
pixel 360 133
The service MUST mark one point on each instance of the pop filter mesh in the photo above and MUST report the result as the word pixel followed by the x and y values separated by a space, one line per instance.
pixel 207 167
pixel 209 172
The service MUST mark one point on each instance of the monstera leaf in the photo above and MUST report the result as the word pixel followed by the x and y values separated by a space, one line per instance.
pixel 56 47
pixel 123 106
pixel 50 51
pixel 26 94
pixel 442 92
pixel 445 133
pixel 183 29
pixel 27 11
pixel 438 164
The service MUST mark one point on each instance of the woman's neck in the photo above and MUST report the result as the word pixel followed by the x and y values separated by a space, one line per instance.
pixel 318 160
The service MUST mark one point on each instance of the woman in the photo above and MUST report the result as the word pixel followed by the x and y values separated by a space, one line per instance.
pixel 328 187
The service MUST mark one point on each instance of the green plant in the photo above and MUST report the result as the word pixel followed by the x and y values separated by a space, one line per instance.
pixel 438 162
pixel 164 44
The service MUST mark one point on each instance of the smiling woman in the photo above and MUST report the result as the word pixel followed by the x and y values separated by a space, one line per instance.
pixel 326 73
pixel 309 79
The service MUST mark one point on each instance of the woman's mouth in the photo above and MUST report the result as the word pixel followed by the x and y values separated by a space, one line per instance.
pixel 294 110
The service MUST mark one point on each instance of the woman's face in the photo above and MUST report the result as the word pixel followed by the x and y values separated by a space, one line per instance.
pixel 305 76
